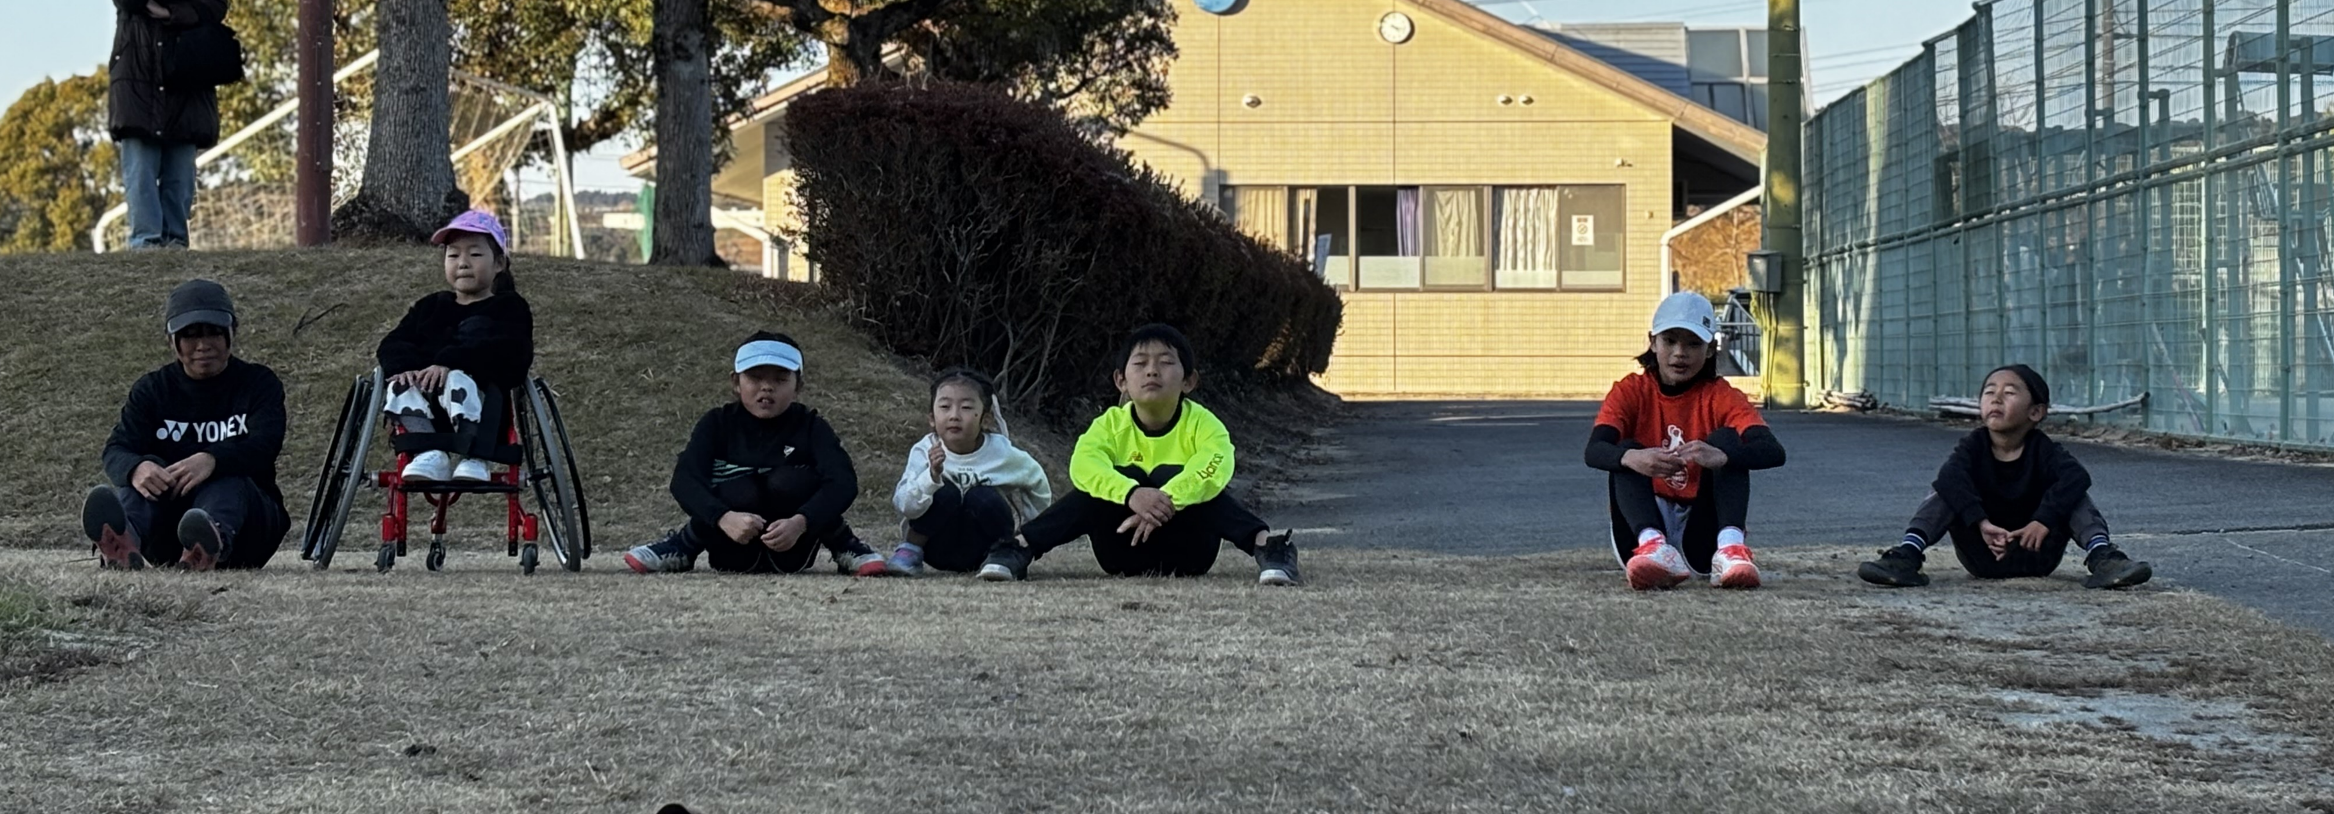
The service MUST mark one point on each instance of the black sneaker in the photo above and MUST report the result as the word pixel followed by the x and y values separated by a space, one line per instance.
pixel 671 555
pixel 1007 562
pixel 205 545
pixel 1899 566
pixel 2111 568
pixel 857 559
pixel 108 527
pixel 1276 562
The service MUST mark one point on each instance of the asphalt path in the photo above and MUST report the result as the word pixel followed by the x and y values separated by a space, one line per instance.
pixel 1504 478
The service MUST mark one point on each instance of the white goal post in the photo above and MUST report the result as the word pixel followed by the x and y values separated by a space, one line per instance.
pixel 244 193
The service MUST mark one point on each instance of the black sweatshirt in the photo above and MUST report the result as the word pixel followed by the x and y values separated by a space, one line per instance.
pixel 731 443
pixel 236 416
pixel 2042 486
pixel 492 339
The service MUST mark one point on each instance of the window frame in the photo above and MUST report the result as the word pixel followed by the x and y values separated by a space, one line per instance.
pixel 1351 280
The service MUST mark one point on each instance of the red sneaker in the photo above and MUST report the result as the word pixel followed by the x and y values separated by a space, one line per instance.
pixel 204 545
pixel 1657 564
pixel 108 527
pixel 1731 567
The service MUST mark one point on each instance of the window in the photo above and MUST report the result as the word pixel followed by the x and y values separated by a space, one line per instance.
pixel 1529 235
pixel 1446 237
pixel 1756 49
pixel 1385 237
pixel 1330 217
pixel 1590 255
pixel 1260 211
pixel 1452 235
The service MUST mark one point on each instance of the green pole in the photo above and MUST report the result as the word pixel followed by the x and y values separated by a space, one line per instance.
pixel 1784 371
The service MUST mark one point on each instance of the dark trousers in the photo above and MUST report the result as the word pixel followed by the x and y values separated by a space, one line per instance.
pixel 1185 547
pixel 1933 521
pixel 774 496
pixel 251 524
pixel 1723 500
pixel 960 527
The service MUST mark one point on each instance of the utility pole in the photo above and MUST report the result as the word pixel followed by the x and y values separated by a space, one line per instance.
pixel 1784 368
pixel 312 159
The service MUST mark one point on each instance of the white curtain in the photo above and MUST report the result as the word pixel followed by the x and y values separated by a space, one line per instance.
pixel 1456 221
pixel 1263 212
pixel 1530 237
pixel 1454 236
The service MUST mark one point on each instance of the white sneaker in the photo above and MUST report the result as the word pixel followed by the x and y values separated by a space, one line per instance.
pixel 1657 564
pixel 429 467
pixel 471 469
pixel 1731 567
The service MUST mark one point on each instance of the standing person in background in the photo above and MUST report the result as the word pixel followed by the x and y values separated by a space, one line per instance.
pixel 158 126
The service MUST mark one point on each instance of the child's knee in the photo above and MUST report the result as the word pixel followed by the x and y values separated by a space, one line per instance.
pixel 461 396
pixel 405 399
pixel 986 500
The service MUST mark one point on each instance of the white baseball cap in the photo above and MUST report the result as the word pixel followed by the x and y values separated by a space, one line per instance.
pixel 1687 310
pixel 768 352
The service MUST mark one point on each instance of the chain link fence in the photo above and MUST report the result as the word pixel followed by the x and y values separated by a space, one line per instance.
pixel 2133 196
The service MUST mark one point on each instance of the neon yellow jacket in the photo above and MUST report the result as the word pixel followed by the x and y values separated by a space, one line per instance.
pixel 1196 445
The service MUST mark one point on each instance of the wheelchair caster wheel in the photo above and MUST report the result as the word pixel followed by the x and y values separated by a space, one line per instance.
pixel 527 559
pixel 387 558
pixel 437 556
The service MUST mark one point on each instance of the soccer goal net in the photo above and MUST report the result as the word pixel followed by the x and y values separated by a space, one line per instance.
pixel 244 187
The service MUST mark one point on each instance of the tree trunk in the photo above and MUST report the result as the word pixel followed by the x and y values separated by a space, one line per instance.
pixel 409 188
pixel 683 231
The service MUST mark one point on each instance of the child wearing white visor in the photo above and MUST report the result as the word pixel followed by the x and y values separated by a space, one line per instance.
pixel 764 480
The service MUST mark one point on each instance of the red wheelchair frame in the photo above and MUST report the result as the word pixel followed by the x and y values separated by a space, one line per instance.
pixel 396 523
pixel 547 468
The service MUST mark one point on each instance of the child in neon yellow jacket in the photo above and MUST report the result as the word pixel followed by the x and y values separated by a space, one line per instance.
pixel 1148 479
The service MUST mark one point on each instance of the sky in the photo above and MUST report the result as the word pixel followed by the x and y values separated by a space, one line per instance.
pixel 1849 42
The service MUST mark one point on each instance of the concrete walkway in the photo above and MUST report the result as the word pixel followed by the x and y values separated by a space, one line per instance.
pixel 1504 478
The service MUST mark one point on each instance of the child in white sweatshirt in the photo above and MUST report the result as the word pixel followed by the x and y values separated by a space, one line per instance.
pixel 964 488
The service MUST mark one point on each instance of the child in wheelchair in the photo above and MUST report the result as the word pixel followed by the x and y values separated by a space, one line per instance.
pixel 451 362
pixel 764 480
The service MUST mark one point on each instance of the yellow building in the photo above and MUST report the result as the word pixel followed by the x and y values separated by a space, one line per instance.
pixel 1492 202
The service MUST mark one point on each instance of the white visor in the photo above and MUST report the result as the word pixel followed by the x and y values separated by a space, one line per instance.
pixel 768 352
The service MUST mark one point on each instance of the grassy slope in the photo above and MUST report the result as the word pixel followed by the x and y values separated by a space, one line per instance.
pixel 636 355
pixel 1394 683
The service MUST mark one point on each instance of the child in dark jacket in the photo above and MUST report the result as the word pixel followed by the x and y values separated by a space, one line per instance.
pixel 764 480
pixel 454 358
pixel 2011 499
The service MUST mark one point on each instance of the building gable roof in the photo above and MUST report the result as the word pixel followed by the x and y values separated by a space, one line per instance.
pixel 1740 140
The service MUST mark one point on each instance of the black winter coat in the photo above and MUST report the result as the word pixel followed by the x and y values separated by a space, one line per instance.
pixel 138 104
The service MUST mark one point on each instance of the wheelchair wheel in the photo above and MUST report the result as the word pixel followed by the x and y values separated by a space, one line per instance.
pixel 552 474
pixel 437 556
pixel 343 473
pixel 527 559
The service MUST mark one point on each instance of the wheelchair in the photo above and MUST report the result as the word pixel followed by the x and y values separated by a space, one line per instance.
pixel 534 436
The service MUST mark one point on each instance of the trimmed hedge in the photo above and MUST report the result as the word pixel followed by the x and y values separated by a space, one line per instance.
pixel 963 226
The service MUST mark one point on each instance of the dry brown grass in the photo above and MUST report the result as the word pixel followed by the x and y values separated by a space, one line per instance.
pixel 636 354
pixel 1395 682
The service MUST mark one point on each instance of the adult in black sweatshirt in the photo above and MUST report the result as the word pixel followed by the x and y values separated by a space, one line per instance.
pixel 764 480
pixel 192 462
pixel 2011 499
pixel 454 358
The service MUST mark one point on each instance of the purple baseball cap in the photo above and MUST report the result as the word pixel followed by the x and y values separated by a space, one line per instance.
pixel 476 221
